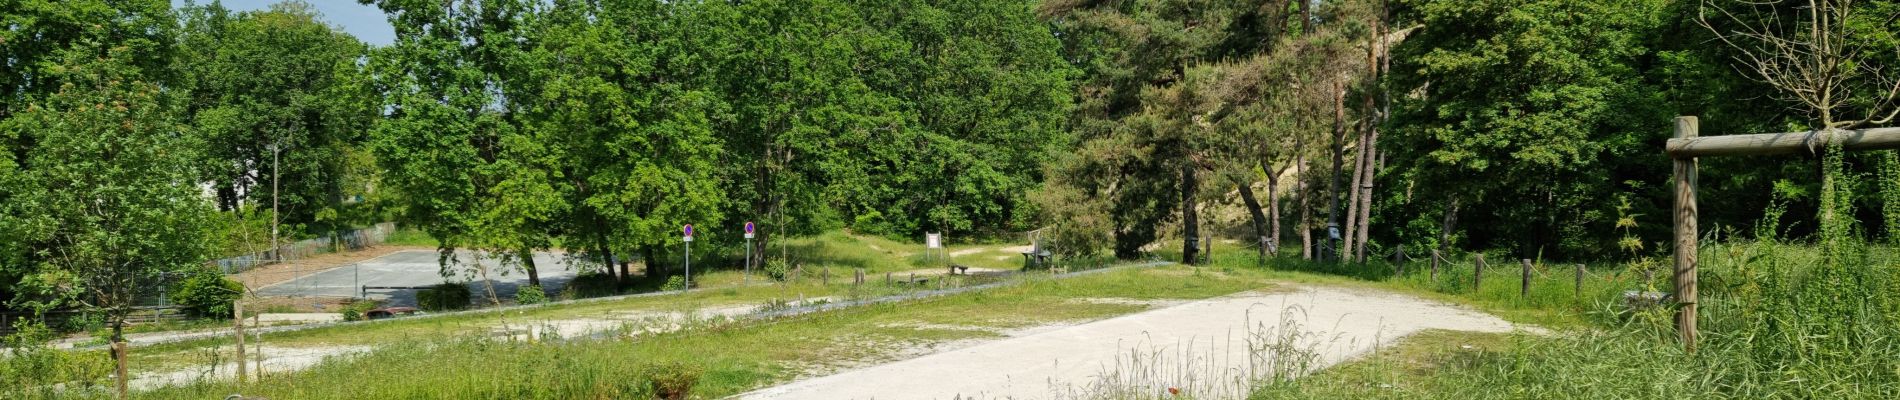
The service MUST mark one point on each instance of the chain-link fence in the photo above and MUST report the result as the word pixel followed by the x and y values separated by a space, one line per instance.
pixel 352 240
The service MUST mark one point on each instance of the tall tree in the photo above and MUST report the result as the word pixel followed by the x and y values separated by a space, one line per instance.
pixel 1544 98
pixel 109 194
pixel 279 99
pixel 621 98
pixel 453 141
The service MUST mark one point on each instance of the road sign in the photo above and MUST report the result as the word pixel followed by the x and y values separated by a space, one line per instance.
pixel 933 240
pixel 748 229
pixel 688 231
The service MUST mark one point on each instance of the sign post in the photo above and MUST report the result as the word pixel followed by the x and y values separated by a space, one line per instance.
pixel 748 252
pixel 933 246
pixel 688 238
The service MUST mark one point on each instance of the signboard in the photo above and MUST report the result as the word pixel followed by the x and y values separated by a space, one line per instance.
pixel 688 231
pixel 933 240
pixel 748 229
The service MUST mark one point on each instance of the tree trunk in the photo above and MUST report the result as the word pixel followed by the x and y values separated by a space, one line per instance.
pixel 527 264
pixel 1365 199
pixel 1306 209
pixel 1444 228
pixel 1352 201
pixel 1339 163
pixel 119 356
pixel 654 267
pixel 606 253
pixel 1190 216
pixel 1273 209
pixel 1259 218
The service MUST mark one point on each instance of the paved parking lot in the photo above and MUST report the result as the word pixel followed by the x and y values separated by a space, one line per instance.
pixel 416 268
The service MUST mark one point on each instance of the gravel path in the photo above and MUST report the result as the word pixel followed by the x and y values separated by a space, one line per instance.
pixel 1211 349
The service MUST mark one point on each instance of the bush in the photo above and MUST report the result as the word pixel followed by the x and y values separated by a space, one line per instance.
pixel 777 269
pixel 590 284
pixel 207 293
pixel 355 310
pixel 530 294
pixel 674 283
pixel 672 380
pixel 447 296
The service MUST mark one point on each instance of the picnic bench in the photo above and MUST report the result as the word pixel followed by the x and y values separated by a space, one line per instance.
pixel 1036 256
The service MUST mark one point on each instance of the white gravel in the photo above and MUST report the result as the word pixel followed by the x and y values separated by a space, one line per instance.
pixel 1212 348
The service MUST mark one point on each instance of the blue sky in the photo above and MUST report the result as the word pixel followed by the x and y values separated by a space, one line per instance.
pixel 365 22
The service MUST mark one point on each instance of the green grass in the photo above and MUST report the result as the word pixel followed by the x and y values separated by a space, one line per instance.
pixel 735 356
pixel 410 237
pixel 1777 321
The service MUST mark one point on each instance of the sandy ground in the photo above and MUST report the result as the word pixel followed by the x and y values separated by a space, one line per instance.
pixel 1211 348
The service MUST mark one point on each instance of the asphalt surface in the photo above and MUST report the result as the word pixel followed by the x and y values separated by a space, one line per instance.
pixel 418 268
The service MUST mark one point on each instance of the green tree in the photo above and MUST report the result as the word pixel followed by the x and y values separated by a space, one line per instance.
pixel 110 199
pixel 1545 99
pixel 614 96
pixel 280 101
pixel 452 140
pixel 37 35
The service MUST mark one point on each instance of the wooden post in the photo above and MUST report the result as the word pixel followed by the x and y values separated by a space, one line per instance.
pixel 1579 281
pixel 1524 287
pixel 118 353
pixel 1685 279
pixel 1434 265
pixel 826 279
pixel 237 324
pixel 887 279
pixel 1477 274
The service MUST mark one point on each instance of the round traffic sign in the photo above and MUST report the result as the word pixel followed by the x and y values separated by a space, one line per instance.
pixel 688 230
pixel 748 227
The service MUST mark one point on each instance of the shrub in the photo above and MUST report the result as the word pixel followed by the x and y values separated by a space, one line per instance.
pixel 777 269
pixel 530 294
pixel 674 283
pixel 672 380
pixel 31 367
pixel 447 296
pixel 207 293
pixel 355 310
pixel 590 284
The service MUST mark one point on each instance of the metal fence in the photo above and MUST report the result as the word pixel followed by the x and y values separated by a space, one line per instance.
pixel 352 240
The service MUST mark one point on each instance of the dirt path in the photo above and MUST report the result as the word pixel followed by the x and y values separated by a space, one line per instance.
pixel 1211 349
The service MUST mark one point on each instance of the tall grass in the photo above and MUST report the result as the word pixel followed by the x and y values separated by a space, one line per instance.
pixel 1816 319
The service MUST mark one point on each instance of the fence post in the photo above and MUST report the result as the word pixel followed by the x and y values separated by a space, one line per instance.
pixel 1524 288
pixel 1685 237
pixel 826 279
pixel 1477 274
pixel 1579 281
pixel 887 279
pixel 1434 265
